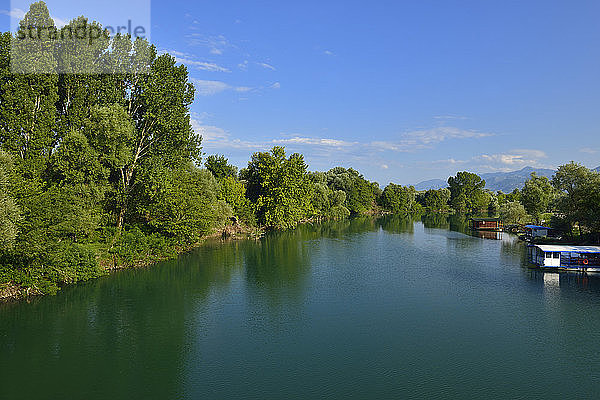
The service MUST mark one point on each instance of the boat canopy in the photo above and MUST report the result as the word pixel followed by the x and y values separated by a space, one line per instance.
pixel 548 248
pixel 537 227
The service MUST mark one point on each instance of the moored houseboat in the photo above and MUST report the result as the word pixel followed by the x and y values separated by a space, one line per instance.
pixel 486 224
pixel 536 231
pixel 577 258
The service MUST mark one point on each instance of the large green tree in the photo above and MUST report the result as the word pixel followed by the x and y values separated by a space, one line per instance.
pixel 279 187
pixel 579 201
pixel 437 200
pixel 467 192
pixel 537 195
pixel 399 199
pixel 361 195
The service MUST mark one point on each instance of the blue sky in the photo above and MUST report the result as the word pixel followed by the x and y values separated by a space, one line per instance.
pixel 402 91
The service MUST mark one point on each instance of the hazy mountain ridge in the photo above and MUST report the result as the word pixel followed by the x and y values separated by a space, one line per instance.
pixel 431 184
pixel 509 181
pixel 504 181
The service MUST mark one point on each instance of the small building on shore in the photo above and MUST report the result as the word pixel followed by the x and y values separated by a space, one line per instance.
pixel 486 224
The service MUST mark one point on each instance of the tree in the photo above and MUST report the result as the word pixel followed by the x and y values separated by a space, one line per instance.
pixel 220 167
pixel 10 212
pixel 181 203
pixel 233 192
pixel 28 112
pixel 578 201
pixel 504 198
pixel 537 195
pixel 159 108
pixel 279 187
pixel 399 199
pixel 513 213
pixel 361 194
pixel 437 200
pixel 467 192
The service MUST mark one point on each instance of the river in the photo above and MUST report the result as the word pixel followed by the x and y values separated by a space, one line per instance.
pixel 364 308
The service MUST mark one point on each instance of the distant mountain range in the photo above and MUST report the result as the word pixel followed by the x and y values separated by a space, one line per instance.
pixel 504 181
pixel 434 184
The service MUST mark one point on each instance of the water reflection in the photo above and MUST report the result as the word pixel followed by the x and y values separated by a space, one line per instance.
pixel 436 221
pixel 279 260
pixel 459 223
pixel 342 297
pixel 490 235
pixel 399 223
pixel 565 281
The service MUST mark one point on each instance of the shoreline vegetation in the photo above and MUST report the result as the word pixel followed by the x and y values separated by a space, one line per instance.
pixel 104 171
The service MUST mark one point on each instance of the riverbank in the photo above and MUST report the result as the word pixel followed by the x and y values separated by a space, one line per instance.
pixel 108 262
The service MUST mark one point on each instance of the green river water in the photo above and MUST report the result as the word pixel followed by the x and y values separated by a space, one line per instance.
pixel 367 308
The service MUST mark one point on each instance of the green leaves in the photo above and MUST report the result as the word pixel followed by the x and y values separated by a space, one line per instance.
pixel 219 167
pixel 437 200
pixel 579 198
pixel 280 188
pixel 10 212
pixel 361 194
pixel 399 199
pixel 467 192
pixel 537 195
pixel 180 203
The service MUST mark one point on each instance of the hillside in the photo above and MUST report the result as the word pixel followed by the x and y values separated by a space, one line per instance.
pixel 431 184
pixel 504 181
pixel 509 181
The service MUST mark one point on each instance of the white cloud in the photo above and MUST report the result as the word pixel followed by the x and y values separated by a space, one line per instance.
pixel 267 66
pixel 332 147
pixel 330 150
pixel 202 65
pixel 328 53
pixel 326 142
pixel 18 14
pixel 216 44
pixel 276 85
pixel 189 60
pixel 15 13
pixel 500 162
pixel 209 88
pixel 440 134
pixel 450 117
pixel 59 22
pixel 588 150
pixel 511 160
pixel 427 138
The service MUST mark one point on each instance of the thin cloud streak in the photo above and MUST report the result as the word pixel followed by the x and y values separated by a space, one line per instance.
pixel 209 88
